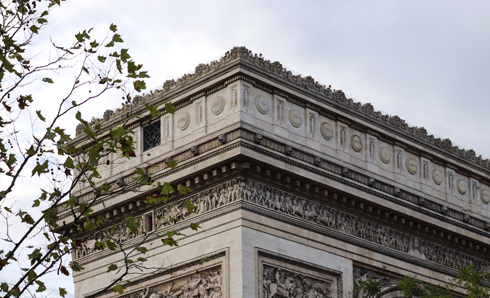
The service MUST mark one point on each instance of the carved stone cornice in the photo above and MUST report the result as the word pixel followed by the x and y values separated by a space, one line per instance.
pixel 324 168
pixel 299 210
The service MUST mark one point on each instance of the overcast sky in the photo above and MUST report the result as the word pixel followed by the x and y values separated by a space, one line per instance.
pixel 426 61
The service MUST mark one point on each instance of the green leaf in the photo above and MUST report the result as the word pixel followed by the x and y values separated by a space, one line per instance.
pixel 40 116
pixel 170 108
pixel 4 286
pixel 34 29
pixel 85 69
pixel 69 163
pixel 101 58
pixel 110 44
pixel 63 292
pixel 190 207
pixel 74 103
pixel 112 267
pixel 113 27
pixel 124 55
pixel 195 226
pixel 141 259
pixel 139 85
pixel 48 80
pixel 94 44
pixel 119 289
pixel 171 163
pixel 184 189
pixel 41 287
pixel 31 151
pixel 117 38
pixel 142 249
pixel 154 112
pixel 111 245
pixel 36 203
pixel 75 266
pixel 31 276
pixel 42 21
pixel 167 188
pixel 204 260
pixel 40 168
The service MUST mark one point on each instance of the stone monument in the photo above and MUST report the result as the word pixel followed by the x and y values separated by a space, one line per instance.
pixel 299 191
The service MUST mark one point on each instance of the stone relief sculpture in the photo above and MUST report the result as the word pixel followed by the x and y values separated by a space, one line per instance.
pixel 234 99
pixel 360 275
pixel 280 111
pixel 399 162
pixel 280 282
pixel 199 114
pixel 450 182
pixel 266 196
pixel 208 284
pixel 372 157
pixel 281 201
pixel 474 190
pixel 342 138
pixel 166 129
pixel 312 125
pixel 425 171
pixel 246 99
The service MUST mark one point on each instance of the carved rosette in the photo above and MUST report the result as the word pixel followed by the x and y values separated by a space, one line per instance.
pixel 411 166
pixel 295 118
pixel 384 155
pixel 183 121
pixel 461 186
pixel 326 130
pixel 437 176
pixel 262 104
pixel 356 143
pixel 485 195
pixel 217 105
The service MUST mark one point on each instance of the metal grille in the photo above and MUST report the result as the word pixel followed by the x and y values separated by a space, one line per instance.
pixel 151 135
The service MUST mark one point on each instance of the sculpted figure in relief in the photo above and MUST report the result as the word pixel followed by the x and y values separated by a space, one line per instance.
pixel 342 138
pixel 246 99
pixel 279 282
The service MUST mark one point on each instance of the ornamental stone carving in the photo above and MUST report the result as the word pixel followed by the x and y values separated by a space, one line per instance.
pixel 485 195
pixel 384 155
pixel 294 206
pixel 437 176
pixel 356 143
pixel 280 282
pixel 342 138
pixel 183 121
pixel 262 104
pixel 217 105
pixel 208 283
pixel 246 98
pixel 326 130
pixel 461 186
pixel 280 111
pixel 411 166
pixel 234 98
pixel 295 118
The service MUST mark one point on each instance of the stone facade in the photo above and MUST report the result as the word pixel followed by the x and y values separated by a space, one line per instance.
pixel 300 192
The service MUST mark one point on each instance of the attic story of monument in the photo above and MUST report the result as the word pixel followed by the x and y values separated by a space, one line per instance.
pixel 299 191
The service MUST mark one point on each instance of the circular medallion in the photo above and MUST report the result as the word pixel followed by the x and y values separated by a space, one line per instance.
pixel 295 117
pixel 461 185
pixel 356 143
pixel 437 176
pixel 217 105
pixel 262 104
pixel 326 130
pixel 384 154
pixel 485 195
pixel 183 120
pixel 411 166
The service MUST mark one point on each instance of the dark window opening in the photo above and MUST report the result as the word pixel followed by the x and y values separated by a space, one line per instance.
pixel 151 135
pixel 149 222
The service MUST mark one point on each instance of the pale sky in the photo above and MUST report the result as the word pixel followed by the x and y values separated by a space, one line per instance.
pixel 426 61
